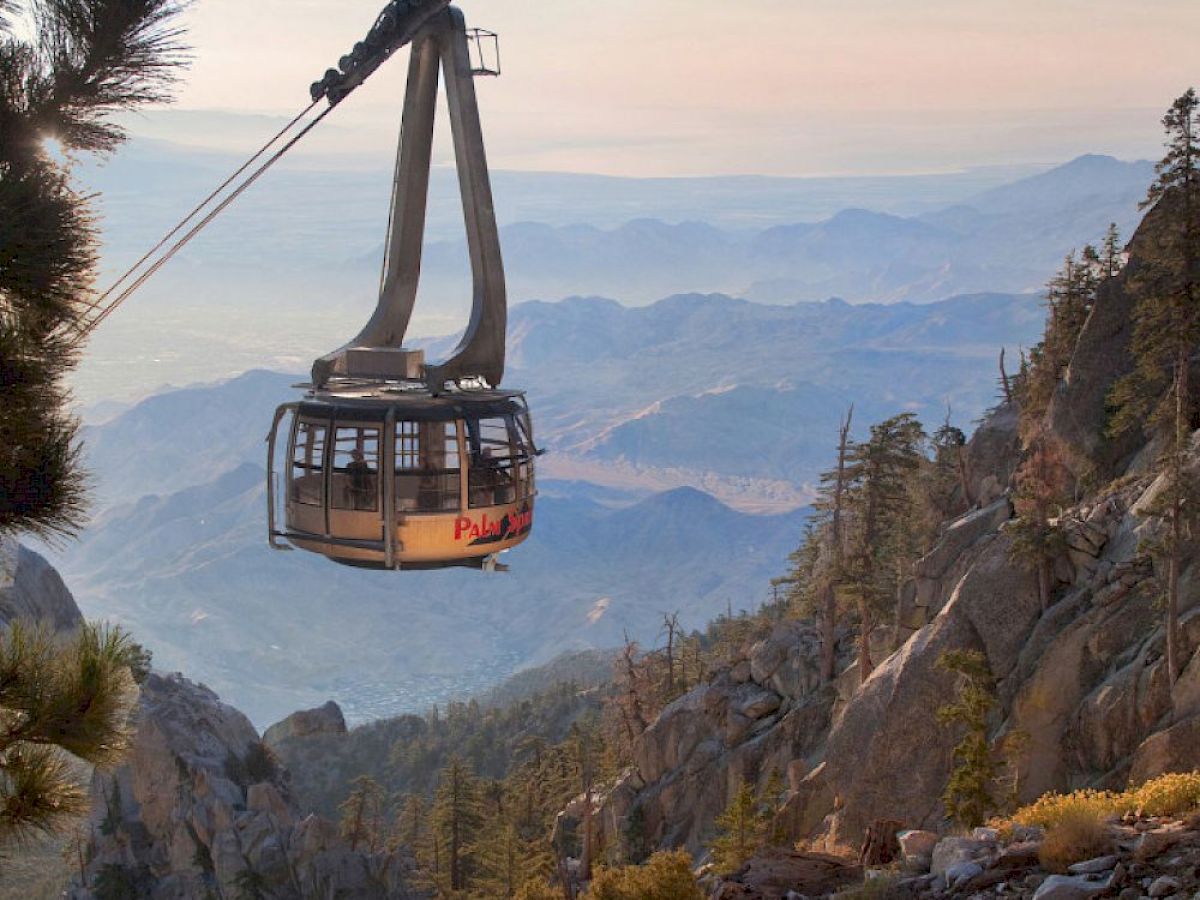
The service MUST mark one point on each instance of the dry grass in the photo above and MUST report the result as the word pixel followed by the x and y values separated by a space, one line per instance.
pixel 877 888
pixel 1082 833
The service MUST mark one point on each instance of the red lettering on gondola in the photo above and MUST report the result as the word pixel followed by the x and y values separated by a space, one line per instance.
pixel 511 525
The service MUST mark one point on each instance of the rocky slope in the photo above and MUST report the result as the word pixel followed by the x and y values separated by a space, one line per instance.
pixel 1141 857
pixel 1083 678
pixel 200 808
pixel 30 588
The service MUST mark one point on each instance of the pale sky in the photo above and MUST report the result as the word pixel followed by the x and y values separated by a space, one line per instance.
pixel 790 87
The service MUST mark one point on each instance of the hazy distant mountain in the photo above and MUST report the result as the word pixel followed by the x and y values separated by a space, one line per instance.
pixel 291 271
pixel 1009 238
pixel 729 395
pixel 638 239
pixel 739 398
pixel 191 574
pixel 703 390
pixel 345 198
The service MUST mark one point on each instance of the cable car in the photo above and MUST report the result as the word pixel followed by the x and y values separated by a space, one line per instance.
pixel 386 461
pixel 388 476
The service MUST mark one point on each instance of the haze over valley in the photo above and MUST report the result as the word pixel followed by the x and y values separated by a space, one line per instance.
pixel 687 392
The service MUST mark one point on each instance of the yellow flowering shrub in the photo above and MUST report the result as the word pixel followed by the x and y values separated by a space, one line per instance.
pixel 1050 809
pixel 1167 795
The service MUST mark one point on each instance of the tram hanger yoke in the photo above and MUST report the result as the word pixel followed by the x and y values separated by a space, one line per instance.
pixel 378 350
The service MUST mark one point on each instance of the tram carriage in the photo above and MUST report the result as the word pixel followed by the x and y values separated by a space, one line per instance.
pixel 390 462
pixel 387 477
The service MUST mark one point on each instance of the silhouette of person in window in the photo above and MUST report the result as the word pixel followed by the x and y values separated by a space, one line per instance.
pixel 362 481
pixel 487 480
pixel 429 495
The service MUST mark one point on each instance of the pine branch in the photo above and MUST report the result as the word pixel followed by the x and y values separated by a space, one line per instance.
pixel 39 794
pixel 100 57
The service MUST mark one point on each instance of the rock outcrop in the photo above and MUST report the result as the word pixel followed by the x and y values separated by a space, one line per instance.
pixel 1146 857
pixel 31 589
pixel 778 874
pixel 1084 679
pixel 201 808
pixel 767 714
pixel 324 719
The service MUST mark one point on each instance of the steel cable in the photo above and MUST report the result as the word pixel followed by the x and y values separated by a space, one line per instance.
pixel 87 327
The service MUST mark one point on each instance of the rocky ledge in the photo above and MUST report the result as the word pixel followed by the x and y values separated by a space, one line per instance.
pixel 1145 858
pixel 201 808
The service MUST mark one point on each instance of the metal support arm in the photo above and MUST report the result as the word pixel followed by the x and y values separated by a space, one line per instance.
pixel 480 354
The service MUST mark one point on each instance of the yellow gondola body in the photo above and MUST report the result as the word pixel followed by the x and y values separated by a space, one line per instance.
pixel 398 479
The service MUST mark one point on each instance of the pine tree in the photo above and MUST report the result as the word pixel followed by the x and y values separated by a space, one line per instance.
pixel 586 750
pixel 1158 391
pixel 1070 295
pixel 665 876
pixel 362 814
pixel 884 542
pixel 968 796
pixel 457 819
pixel 66 66
pixel 84 61
pixel 508 859
pixel 1040 495
pixel 412 830
pixel 670 629
pixel 834 486
pixel 1112 254
pixel 949 488
pixel 59 696
pixel 741 830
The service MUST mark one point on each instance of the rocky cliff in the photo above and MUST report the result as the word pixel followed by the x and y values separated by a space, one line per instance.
pixel 200 808
pixel 1084 678
pixel 31 589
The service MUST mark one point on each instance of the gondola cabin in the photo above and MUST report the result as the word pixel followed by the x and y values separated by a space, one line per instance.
pixel 392 477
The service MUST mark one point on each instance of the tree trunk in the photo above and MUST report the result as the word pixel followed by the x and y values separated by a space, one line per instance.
pixel 865 666
pixel 964 478
pixel 829 630
pixel 1182 441
pixel 585 862
pixel 1043 577
pixel 829 633
pixel 880 846
pixel 1004 384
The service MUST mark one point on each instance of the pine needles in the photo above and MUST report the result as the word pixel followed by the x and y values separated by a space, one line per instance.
pixel 59 698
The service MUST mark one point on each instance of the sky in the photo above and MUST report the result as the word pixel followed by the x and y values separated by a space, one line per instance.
pixel 713 87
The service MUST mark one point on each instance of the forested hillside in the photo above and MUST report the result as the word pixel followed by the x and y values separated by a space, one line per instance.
pixel 965 626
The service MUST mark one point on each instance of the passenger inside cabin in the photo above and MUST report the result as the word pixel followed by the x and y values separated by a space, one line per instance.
pixel 362 481
pixel 484 479
pixel 428 489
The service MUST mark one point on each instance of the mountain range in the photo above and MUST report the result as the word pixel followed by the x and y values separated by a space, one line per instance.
pixel 736 398
pixel 292 271
pixel 647 414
